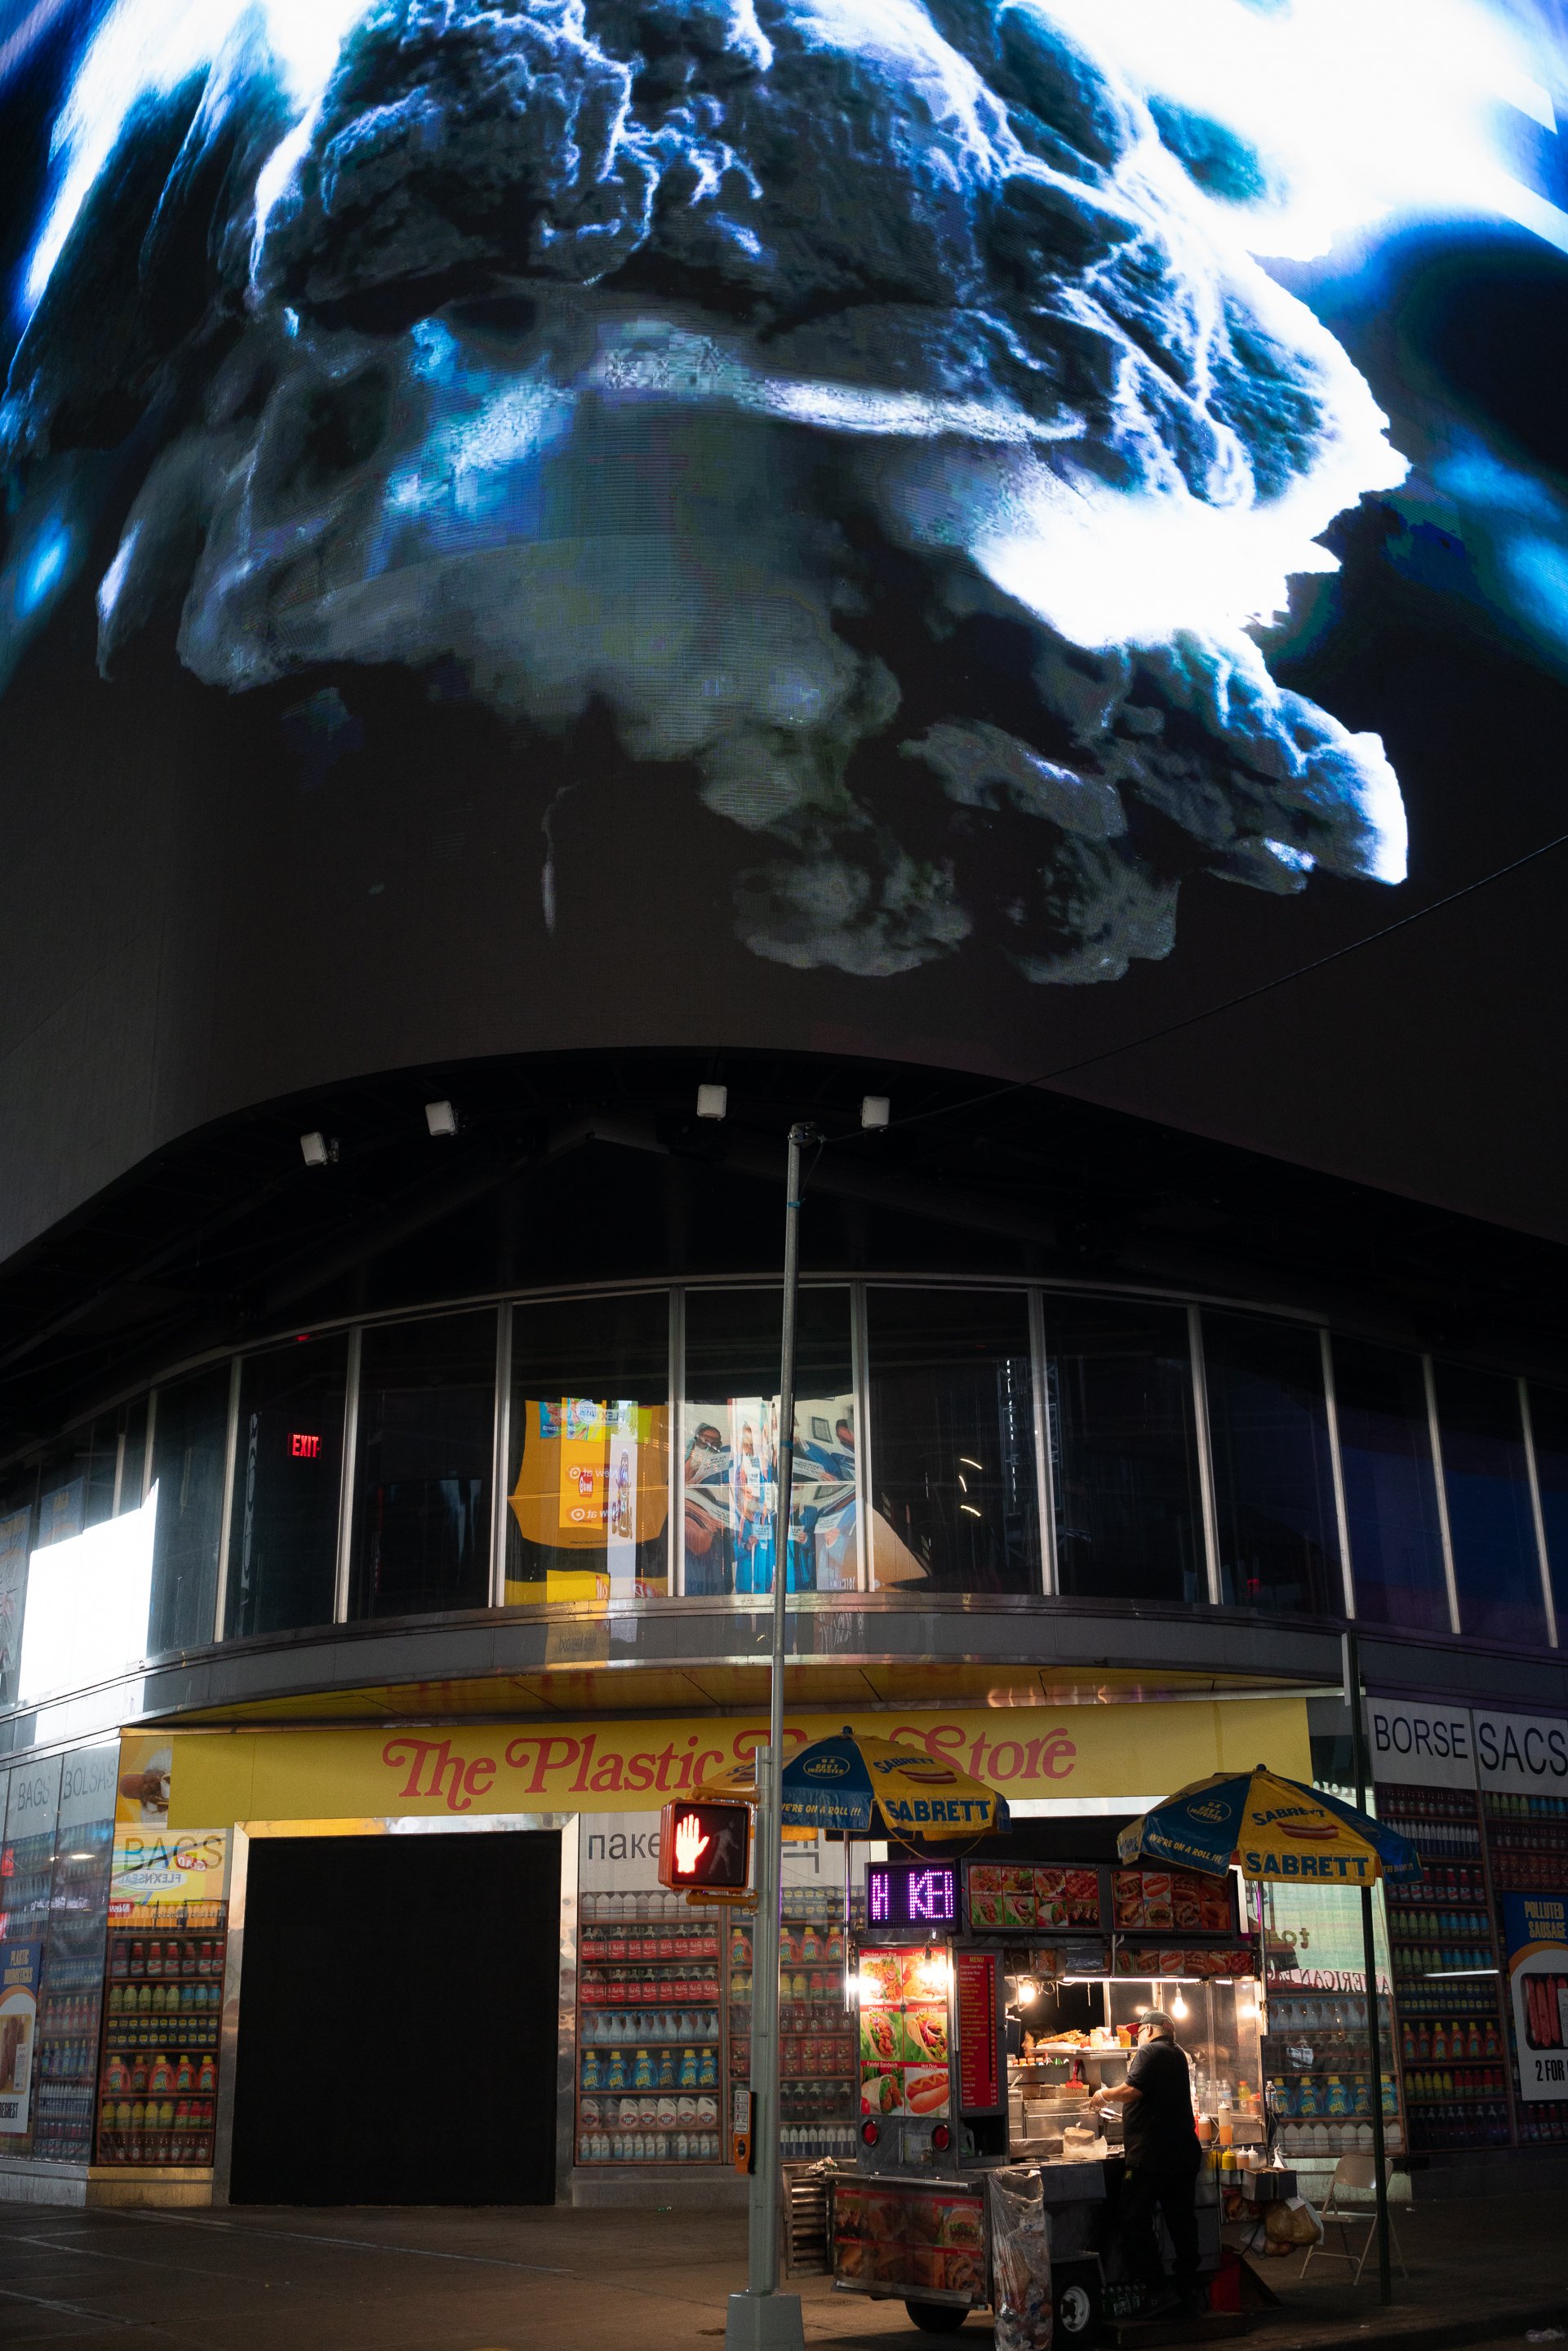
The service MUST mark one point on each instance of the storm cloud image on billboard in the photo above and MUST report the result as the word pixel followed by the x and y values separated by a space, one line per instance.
pixel 913 432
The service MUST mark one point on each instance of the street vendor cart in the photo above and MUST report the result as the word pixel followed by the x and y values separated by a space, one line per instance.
pixel 995 2002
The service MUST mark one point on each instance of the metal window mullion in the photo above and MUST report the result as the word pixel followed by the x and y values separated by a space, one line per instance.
pixel 1536 1511
pixel 1044 1484
pixel 119 1474
pixel 1435 1438
pixel 677 1428
pixel 1336 1469
pixel 350 1471
pixel 148 1443
pixel 1205 1451
pixel 225 1527
pixel 500 1454
pixel 860 1382
pixel 864 1443
pixel 566 2011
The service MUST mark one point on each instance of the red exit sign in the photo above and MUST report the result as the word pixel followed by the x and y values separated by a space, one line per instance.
pixel 304 1447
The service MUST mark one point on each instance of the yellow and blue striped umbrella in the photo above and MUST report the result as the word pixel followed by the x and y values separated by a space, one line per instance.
pixel 1272 1827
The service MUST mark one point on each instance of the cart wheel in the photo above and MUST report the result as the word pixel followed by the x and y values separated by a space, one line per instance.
pixel 1077 2307
pixel 937 2317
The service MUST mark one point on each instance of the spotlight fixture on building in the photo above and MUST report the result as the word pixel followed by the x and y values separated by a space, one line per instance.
pixel 441 1118
pixel 875 1110
pixel 318 1149
pixel 713 1102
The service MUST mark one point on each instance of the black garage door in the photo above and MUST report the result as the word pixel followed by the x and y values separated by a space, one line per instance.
pixel 398 2006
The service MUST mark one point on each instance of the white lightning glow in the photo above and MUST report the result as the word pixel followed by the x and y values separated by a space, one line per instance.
pixel 1362 111
pixel 1103 567
pixel 147 48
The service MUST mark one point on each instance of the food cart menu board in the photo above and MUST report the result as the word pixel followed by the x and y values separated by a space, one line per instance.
pixel 932 2240
pixel 1003 1896
pixel 1145 1960
pixel 903 2034
pixel 979 2088
pixel 1011 1893
pixel 1158 1899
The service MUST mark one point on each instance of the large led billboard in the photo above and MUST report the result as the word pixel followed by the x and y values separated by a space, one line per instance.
pixel 961 528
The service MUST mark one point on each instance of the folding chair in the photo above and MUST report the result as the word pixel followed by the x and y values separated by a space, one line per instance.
pixel 1357 2171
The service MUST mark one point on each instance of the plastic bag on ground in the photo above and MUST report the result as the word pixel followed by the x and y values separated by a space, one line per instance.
pixel 1020 2262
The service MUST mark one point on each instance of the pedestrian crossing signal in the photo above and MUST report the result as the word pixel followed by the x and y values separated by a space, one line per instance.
pixel 707 1847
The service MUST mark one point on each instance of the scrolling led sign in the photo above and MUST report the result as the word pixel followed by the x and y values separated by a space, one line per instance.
pixel 911 1894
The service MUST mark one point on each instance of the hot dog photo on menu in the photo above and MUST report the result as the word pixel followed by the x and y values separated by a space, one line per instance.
pixel 926 2090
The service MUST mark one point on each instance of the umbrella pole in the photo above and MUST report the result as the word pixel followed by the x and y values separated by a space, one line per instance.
pixel 763 2319
pixel 1369 1964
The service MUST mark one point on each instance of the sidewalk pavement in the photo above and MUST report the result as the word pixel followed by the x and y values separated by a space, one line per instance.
pixel 505 2279
pixel 1491 2266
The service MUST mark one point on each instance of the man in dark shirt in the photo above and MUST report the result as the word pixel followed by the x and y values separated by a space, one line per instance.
pixel 1162 2162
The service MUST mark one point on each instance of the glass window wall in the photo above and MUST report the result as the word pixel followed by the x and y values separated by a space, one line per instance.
pixel 1492 1522
pixel 587 1479
pixel 1548 1427
pixel 190 1451
pixel 730 1440
pixel 426 1446
pixel 288 1462
pixel 598 1445
pixel 954 1488
pixel 102 1468
pixel 134 1483
pixel 1390 1493
pixel 63 1490
pixel 1123 1440
pixel 1273 1475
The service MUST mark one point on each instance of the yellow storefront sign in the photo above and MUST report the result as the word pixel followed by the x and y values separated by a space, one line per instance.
pixel 1103 1752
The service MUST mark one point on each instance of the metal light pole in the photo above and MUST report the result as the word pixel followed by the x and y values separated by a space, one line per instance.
pixel 762 2319
pixel 1369 1963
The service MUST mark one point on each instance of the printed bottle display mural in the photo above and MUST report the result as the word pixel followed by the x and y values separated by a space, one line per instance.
pixel 162 2006
pixel 649 2029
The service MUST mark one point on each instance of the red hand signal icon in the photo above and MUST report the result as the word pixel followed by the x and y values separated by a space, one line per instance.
pixel 690 1844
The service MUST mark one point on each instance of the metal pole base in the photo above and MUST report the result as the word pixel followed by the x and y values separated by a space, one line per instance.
pixel 764 2322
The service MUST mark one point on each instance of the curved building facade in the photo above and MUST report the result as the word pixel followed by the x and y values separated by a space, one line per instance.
pixel 441 1552
pixel 584 584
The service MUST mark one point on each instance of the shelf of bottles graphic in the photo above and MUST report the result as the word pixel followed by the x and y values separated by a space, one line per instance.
pixel 159 2075
pixel 648 2035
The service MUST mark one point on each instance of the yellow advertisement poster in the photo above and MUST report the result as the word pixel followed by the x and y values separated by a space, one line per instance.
pixel 142 1789
pixel 163 1878
pixel 591 1469
pixel 592 1487
pixel 19 2033
pixel 1113 1751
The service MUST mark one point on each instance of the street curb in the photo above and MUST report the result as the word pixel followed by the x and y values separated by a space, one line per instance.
pixel 1482 2329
